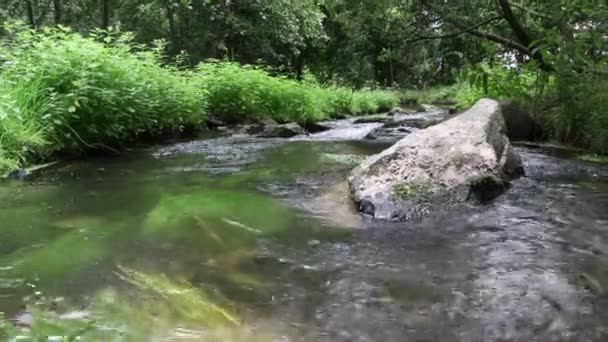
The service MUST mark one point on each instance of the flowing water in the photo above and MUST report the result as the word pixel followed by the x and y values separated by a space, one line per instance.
pixel 245 239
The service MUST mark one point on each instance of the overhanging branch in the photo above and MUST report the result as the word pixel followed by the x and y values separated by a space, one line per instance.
pixel 454 34
pixel 518 46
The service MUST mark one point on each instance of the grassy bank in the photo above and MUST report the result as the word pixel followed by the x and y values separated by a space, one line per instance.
pixel 62 92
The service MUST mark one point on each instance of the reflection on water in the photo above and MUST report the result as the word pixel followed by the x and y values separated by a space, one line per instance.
pixel 251 240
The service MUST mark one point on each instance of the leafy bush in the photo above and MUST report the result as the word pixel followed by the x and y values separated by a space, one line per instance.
pixel 245 92
pixel 60 91
pixel 441 95
pixel 571 103
pixel 95 94
pixel 499 82
pixel 21 134
pixel 581 116
pixel 239 93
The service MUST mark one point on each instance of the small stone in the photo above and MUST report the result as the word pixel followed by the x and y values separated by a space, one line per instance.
pixel 314 243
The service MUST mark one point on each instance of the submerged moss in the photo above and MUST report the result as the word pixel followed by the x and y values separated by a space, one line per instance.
pixel 157 309
pixel 346 159
pixel 411 190
pixel 188 302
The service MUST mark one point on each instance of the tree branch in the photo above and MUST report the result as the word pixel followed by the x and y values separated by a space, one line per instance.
pixel 522 34
pixel 523 8
pixel 517 28
pixel 454 34
pixel 519 46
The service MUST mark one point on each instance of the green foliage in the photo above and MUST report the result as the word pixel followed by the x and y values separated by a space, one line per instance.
pixel 62 91
pixel 21 134
pixel 101 93
pixel 499 82
pixel 581 115
pixel 440 95
pixel 238 93
pixel 571 103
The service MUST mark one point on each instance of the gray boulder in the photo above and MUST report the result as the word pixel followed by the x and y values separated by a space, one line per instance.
pixel 467 157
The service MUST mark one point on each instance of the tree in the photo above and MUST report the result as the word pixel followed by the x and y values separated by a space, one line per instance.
pixel 105 14
pixel 29 10
pixel 57 11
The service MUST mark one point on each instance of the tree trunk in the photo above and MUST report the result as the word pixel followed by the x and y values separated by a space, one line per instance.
pixel 175 41
pixel 29 10
pixel 105 14
pixel 57 11
pixel 516 27
pixel 299 66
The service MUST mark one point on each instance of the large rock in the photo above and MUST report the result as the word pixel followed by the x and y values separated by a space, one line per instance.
pixel 467 157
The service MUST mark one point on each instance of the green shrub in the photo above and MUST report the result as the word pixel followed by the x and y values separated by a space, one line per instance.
pixel 440 95
pixel 499 82
pixel 100 94
pixel 238 93
pixel 62 91
pixel 22 135
pixel 572 104
pixel 373 101
pixel 581 116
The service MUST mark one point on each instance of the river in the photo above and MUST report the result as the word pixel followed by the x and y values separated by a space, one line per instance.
pixel 236 238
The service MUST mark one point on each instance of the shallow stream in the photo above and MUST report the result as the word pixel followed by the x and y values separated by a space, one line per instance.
pixel 244 239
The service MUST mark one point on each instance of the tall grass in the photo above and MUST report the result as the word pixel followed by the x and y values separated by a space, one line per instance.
pixel 98 93
pixel 237 93
pixel 22 135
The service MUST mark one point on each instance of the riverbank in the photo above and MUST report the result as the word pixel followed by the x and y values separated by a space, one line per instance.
pixel 65 93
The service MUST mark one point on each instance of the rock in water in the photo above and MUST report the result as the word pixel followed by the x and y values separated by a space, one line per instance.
pixel 521 125
pixel 271 129
pixel 282 131
pixel 468 157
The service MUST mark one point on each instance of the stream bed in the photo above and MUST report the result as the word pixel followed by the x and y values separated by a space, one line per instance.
pixel 244 239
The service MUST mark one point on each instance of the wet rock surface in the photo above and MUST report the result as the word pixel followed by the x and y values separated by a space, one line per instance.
pixel 374 118
pixel 271 129
pixel 437 167
pixel 405 123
